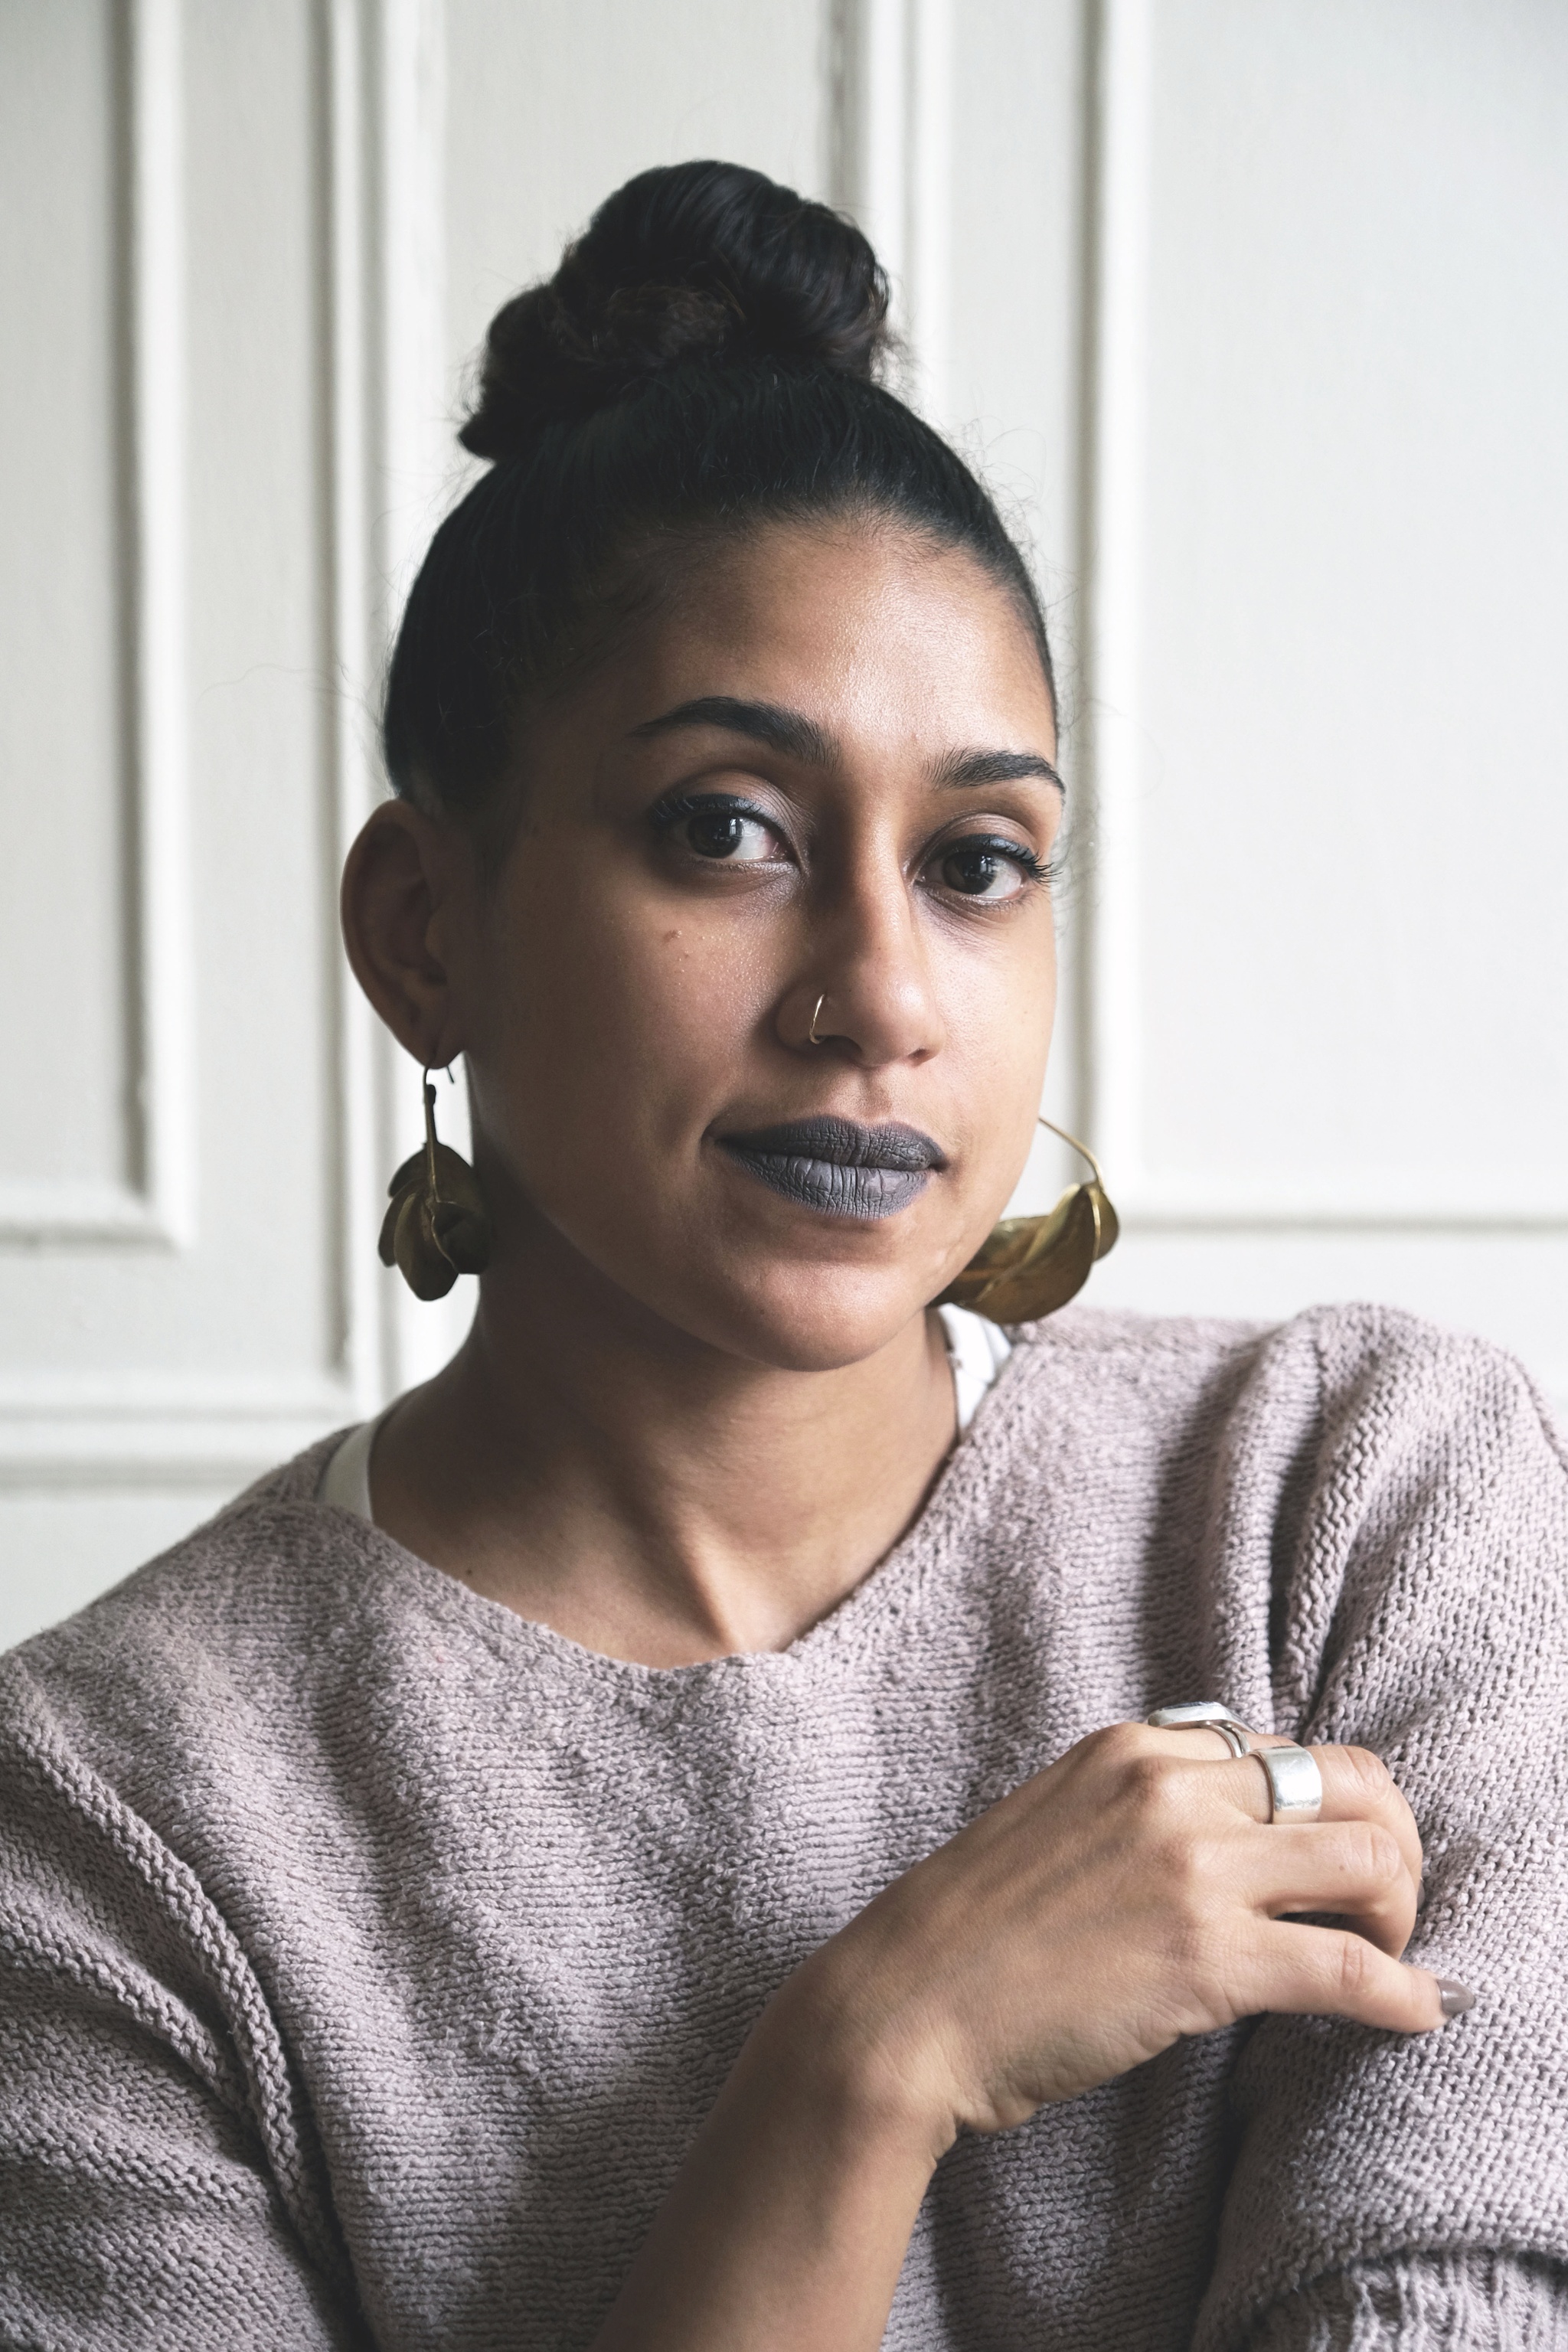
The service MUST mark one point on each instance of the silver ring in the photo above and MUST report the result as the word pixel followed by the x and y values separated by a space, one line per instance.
pixel 1203 1715
pixel 1295 1783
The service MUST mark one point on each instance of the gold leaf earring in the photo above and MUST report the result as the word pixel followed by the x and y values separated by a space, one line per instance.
pixel 1028 1266
pixel 437 1226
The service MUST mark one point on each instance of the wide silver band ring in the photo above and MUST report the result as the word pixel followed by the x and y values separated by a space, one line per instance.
pixel 1295 1783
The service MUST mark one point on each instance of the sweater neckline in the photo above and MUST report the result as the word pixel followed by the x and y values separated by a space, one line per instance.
pixel 976 1351
pixel 889 1594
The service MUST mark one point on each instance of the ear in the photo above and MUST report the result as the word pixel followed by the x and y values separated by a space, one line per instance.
pixel 402 876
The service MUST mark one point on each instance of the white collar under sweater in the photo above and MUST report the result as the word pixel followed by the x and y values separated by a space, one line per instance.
pixel 976 1349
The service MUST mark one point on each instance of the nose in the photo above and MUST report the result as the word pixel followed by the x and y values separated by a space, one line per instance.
pixel 865 989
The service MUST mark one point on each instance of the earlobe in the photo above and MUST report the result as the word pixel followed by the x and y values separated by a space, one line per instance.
pixel 397 877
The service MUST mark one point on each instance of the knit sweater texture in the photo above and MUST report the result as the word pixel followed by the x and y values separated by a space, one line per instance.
pixel 371 1954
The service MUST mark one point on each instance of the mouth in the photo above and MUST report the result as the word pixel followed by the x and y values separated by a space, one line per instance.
pixel 838 1167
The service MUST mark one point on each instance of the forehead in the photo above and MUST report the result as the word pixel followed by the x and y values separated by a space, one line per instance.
pixel 864 625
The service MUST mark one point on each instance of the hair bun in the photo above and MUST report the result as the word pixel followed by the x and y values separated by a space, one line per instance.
pixel 689 262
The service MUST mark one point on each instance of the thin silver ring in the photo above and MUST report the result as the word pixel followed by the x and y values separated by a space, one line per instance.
pixel 811 1036
pixel 1295 1783
pixel 1203 1715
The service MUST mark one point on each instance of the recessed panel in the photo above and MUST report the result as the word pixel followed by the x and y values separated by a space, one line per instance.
pixel 551 108
pixel 66 1118
pixel 1348 822
pixel 223 116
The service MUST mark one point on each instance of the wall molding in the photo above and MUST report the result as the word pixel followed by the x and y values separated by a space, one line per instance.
pixel 1356 1203
pixel 418 474
pixel 346 316
pixel 1116 416
pixel 200 1429
pixel 141 1429
pixel 155 1205
pixel 892 166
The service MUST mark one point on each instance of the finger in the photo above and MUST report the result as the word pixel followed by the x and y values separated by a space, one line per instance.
pixel 1357 1786
pixel 1192 1743
pixel 1353 1869
pixel 1330 1972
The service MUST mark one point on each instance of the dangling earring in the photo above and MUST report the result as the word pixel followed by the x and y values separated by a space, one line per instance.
pixel 1028 1266
pixel 436 1227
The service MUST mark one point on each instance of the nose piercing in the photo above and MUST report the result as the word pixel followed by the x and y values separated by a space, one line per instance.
pixel 811 1036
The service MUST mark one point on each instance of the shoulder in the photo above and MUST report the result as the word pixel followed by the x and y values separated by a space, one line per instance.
pixel 1390 1383
pixel 209 1634
pixel 1339 1479
pixel 147 1756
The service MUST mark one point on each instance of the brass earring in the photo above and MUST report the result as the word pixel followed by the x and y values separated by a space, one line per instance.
pixel 1028 1266
pixel 437 1226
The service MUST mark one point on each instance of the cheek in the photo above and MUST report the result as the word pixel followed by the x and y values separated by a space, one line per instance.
pixel 998 1014
pixel 999 1042
pixel 614 1015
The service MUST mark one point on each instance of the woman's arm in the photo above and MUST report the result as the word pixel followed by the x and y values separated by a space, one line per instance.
pixel 1130 1895
pixel 1423 1608
pixel 157 2186
pixel 788 2222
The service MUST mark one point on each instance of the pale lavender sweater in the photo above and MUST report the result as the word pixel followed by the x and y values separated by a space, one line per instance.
pixel 373 1955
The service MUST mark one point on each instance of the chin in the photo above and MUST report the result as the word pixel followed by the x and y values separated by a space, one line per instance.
pixel 811 1317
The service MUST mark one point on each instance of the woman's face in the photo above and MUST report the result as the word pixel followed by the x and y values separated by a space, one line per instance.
pixel 818 776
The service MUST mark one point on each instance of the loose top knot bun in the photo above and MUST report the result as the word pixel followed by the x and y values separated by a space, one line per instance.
pixel 689 262
pixel 702 365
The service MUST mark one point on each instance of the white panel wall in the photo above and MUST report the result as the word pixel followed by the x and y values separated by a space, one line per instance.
pixel 177 1283
pixel 1327 1048
pixel 1256 317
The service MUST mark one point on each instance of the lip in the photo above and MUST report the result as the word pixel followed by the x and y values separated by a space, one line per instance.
pixel 838 1167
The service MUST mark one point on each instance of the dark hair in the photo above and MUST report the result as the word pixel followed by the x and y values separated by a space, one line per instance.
pixel 705 359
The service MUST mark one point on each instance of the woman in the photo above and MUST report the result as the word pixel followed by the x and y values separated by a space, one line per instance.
pixel 656 1844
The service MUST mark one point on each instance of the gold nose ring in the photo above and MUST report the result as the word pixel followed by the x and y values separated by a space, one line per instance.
pixel 811 1036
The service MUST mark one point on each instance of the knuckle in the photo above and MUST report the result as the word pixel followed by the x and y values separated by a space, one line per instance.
pixel 1143 1776
pixel 1371 1852
pixel 1354 1971
pixel 1118 1744
pixel 1192 1870
pixel 1371 1776
pixel 1151 1786
pixel 1384 1859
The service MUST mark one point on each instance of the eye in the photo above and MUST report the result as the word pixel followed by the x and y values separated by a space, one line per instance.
pixel 719 828
pixel 992 869
pixel 727 832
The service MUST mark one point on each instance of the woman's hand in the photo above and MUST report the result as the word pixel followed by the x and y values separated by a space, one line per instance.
pixel 1133 1893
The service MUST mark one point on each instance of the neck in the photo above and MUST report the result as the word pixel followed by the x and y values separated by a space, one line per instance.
pixel 649 1496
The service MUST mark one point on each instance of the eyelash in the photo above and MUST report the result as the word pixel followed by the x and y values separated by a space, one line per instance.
pixel 1035 870
pixel 678 806
pixel 671 811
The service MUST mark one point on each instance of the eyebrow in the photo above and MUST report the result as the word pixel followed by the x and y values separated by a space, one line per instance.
pixel 997 768
pixel 790 732
pixel 800 737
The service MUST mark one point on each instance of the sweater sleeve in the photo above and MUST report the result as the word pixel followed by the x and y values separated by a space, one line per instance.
pixel 153 2187
pixel 1387 2190
pixel 1460 2303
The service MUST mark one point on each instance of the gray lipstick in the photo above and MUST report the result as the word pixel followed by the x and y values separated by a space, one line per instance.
pixel 839 1166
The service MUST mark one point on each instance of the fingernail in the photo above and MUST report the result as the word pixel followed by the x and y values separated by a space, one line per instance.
pixel 1456 1998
